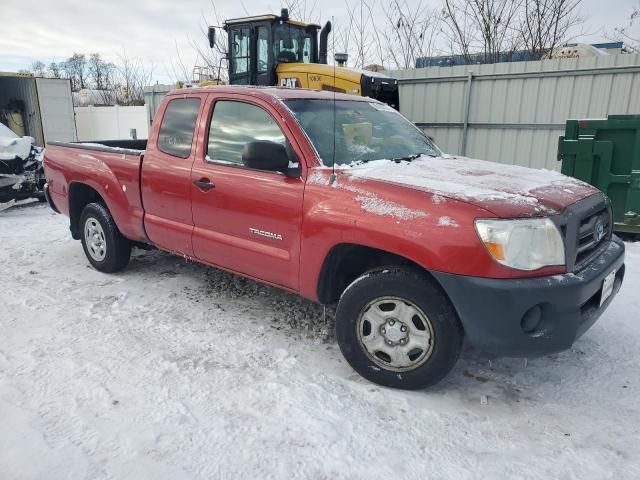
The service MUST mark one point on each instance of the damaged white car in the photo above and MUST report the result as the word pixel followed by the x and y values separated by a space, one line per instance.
pixel 21 173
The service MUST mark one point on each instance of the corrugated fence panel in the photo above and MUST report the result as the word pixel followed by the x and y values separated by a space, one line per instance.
pixel 517 111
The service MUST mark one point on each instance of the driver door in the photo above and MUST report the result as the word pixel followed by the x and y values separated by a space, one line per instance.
pixel 245 220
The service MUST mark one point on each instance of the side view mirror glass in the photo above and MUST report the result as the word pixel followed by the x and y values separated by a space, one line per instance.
pixel 211 34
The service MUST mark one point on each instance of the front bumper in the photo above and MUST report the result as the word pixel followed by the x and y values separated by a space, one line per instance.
pixel 497 314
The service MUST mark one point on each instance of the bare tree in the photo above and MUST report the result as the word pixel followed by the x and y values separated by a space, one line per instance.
pixel 627 33
pixel 39 69
pixel 213 61
pixel 302 10
pixel 99 71
pixel 102 76
pixel 54 70
pixel 410 32
pixel 360 36
pixel 132 77
pixel 486 26
pixel 180 70
pixel 546 24
pixel 75 69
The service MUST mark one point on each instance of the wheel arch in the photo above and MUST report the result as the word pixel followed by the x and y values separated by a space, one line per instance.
pixel 81 195
pixel 347 261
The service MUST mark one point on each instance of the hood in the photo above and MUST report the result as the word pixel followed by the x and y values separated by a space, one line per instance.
pixel 505 190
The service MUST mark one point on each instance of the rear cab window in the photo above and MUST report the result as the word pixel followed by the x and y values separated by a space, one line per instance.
pixel 178 126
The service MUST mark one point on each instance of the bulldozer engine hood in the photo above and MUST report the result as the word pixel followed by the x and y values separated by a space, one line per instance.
pixel 347 80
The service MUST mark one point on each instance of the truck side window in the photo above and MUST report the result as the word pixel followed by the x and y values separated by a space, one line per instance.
pixel 236 123
pixel 178 125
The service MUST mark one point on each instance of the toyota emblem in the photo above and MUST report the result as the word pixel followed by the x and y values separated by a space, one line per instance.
pixel 598 231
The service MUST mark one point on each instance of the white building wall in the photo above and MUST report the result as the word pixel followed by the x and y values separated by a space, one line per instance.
pixel 110 123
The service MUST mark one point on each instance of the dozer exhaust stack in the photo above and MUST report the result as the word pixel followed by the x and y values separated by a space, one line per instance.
pixel 324 34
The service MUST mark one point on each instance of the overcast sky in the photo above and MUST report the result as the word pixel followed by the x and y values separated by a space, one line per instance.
pixel 49 30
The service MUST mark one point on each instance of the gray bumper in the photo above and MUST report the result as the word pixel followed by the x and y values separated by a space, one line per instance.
pixel 498 314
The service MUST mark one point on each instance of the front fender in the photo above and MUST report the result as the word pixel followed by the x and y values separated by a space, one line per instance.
pixel 435 233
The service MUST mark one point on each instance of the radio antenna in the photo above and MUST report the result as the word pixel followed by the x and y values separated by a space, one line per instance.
pixel 333 163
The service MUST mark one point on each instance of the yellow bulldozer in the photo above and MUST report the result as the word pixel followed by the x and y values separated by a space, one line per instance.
pixel 276 50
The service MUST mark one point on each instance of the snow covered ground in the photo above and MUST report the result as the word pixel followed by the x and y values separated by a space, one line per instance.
pixel 173 370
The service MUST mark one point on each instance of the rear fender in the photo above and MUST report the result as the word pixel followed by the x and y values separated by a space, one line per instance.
pixel 122 198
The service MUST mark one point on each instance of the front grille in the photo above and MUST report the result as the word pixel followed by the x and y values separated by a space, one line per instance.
pixel 592 234
pixel 587 228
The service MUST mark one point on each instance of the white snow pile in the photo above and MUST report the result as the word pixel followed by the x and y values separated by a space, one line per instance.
pixel 445 221
pixel 6 132
pixel 373 204
pixel 171 370
pixel 12 146
pixel 102 146
pixel 468 179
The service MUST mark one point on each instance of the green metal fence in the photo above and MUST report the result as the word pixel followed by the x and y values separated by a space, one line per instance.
pixel 606 154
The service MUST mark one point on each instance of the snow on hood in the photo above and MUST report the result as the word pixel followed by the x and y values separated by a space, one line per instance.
pixel 500 188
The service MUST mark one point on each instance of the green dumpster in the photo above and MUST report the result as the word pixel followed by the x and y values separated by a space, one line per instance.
pixel 606 154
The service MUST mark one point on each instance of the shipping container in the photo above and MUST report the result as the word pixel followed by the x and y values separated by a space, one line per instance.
pixel 41 108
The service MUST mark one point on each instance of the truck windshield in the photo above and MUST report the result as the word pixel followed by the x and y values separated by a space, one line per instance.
pixel 364 131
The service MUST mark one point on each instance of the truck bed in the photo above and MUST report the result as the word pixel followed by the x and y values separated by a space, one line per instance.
pixel 111 168
pixel 116 146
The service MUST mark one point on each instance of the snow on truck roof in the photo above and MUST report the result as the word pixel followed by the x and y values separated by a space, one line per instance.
pixel 281 93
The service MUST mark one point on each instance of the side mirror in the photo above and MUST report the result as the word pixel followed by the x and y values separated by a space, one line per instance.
pixel 211 34
pixel 266 155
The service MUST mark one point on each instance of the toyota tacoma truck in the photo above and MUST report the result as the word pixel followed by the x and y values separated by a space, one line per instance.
pixel 342 200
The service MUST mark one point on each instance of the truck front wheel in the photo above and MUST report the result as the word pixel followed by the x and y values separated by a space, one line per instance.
pixel 104 245
pixel 397 328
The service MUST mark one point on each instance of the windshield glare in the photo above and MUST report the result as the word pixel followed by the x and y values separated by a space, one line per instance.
pixel 364 131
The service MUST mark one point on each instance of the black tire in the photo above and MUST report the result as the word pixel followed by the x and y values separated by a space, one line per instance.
pixel 117 249
pixel 415 288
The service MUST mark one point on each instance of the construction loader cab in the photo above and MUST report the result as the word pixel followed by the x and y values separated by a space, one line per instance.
pixel 275 50
pixel 257 45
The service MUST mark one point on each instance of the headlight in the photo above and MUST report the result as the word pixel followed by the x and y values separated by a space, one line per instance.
pixel 524 244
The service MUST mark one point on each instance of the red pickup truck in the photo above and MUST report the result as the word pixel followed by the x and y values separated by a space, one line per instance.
pixel 341 199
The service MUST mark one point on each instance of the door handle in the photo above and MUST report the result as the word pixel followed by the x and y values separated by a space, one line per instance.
pixel 204 184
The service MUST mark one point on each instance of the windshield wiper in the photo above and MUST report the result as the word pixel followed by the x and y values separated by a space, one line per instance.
pixel 408 158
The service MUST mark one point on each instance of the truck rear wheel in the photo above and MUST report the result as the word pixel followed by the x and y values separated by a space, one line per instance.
pixel 105 247
pixel 397 328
